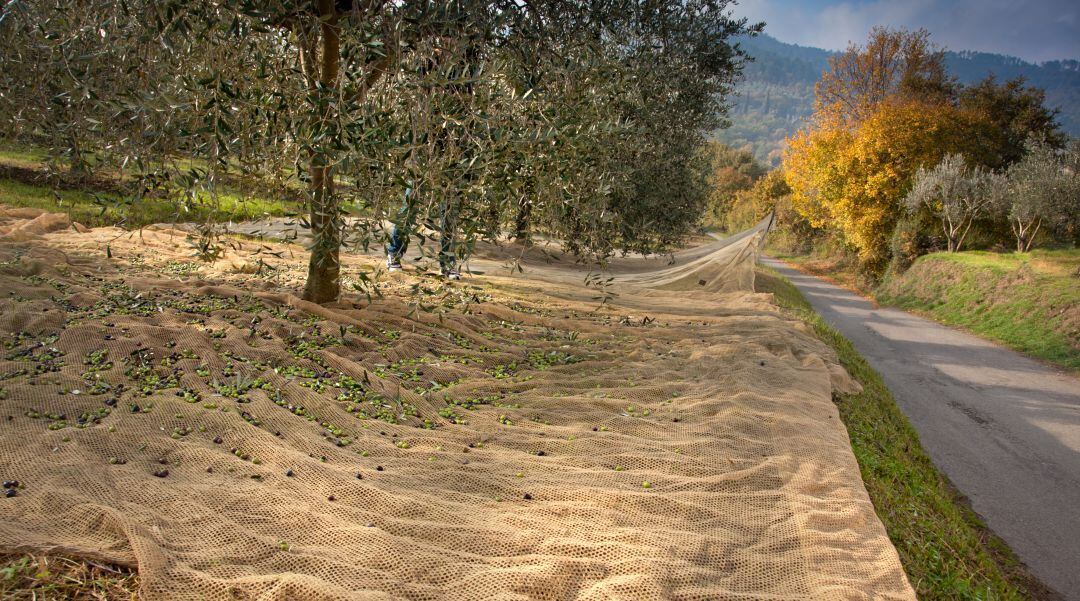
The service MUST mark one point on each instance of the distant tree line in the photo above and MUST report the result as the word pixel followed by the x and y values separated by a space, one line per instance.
pixel 777 91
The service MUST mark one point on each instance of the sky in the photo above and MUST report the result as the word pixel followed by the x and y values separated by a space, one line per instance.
pixel 1034 30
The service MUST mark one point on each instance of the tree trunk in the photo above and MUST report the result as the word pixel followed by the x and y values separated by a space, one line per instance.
pixel 1025 235
pixel 963 236
pixel 521 222
pixel 1031 236
pixel 324 267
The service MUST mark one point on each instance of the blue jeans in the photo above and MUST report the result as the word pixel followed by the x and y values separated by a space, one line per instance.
pixel 406 222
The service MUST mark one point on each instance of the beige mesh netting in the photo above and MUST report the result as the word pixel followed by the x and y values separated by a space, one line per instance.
pixel 501 438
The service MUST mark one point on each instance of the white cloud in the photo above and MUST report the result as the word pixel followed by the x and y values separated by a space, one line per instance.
pixel 1037 31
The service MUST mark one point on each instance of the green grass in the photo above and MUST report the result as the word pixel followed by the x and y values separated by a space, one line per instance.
pixel 22 156
pixel 101 207
pixel 97 209
pixel 945 548
pixel 1027 301
pixel 1051 262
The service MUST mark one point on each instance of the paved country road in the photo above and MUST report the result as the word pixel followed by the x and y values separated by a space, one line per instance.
pixel 1003 427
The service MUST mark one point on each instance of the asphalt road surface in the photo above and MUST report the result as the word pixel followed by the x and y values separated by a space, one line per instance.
pixel 1003 427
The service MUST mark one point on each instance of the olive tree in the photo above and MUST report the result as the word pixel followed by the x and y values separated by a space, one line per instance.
pixel 573 117
pixel 73 80
pixel 1043 189
pixel 954 194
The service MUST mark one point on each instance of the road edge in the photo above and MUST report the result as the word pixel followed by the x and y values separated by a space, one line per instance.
pixel 946 549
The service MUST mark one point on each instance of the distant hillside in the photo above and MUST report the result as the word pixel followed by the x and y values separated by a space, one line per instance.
pixel 777 92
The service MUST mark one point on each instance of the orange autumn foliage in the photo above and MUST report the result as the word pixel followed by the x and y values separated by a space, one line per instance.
pixel 852 177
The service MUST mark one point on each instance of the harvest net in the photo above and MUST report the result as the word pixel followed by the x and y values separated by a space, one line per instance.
pixel 501 438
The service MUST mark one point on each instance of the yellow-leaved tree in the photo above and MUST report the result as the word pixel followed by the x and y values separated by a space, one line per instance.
pixel 732 171
pixel 852 178
pixel 882 111
pixel 753 204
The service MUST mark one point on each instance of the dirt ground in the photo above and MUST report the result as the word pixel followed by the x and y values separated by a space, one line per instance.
pixel 505 437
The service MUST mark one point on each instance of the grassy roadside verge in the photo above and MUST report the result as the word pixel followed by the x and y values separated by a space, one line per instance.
pixel 1027 301
pixel 945 548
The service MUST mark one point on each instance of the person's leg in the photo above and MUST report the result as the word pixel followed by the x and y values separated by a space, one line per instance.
pixel 399 233
pixel 398 243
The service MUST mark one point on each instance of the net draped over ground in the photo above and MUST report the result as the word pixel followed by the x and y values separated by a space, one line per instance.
pixel 501 438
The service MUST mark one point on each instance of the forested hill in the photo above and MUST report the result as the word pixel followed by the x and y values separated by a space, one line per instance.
pixel 777 92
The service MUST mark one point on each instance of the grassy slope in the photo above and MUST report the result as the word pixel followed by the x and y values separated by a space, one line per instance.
pixel 944 546
pixel 96 207
pixel 22 156
pixel 1027 301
